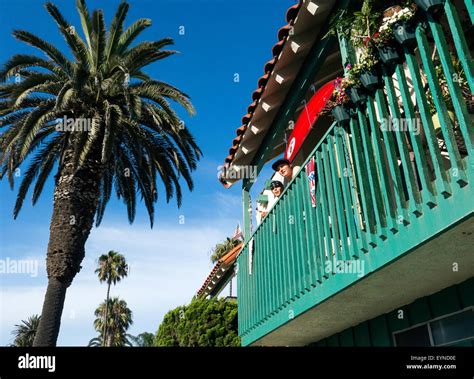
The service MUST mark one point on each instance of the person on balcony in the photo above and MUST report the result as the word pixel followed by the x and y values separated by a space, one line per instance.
pixel 286 169
pixel 277 188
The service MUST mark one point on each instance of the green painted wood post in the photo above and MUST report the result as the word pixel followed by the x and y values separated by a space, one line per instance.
pixel 362 184
pixel 301 230
pixel 428 190
pixel 446 125
pixel 311 234
pixel 349 207
pixel 441 180
pixel 454 89
pixel 336 171
pixel 460 42
pixel 324 206
pixel 414 195
pixel 388 202
pixel 371 174
pixel 402 205
pixel 470 9
pixel 246 212
pixel 335 227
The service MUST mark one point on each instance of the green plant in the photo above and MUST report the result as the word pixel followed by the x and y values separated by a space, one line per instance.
pixel 119 319
pixel 25 332
pixel 203 323
pixel 112 268
pixel 459 77
pixel 134 139
pixel 364 24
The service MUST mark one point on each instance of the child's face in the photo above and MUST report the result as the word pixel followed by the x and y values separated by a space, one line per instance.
pixel 277 191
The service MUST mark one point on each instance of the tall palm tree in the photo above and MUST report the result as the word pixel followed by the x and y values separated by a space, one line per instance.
pixel 134 138
pixel 118 321
pixel 112 268
pixel 25 332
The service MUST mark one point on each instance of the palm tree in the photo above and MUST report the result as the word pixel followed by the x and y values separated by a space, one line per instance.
pixel 132 140
pixel 25 332
pixel 144 339
pixel 223 248
pixel 118 321
pixel 112 268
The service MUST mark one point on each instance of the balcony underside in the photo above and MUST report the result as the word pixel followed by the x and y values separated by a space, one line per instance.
pixel 426 270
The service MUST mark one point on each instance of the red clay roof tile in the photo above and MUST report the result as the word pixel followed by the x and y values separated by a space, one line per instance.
pixel 283 32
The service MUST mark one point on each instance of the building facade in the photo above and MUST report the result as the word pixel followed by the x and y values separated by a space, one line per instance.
pixel 372 242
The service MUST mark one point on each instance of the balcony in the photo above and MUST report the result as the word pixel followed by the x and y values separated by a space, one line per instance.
pixel 394 205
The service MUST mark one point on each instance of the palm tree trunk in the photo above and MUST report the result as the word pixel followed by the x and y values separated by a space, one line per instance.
pixel 105 317
pixel 76 197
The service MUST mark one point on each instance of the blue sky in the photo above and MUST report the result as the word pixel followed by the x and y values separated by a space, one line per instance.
pixel 169 263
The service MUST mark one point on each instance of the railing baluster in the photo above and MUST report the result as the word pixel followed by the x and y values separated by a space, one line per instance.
pixel 470 9
pixel 362 182
pixel 289 248
pixel 350 209
pixel 321 252
pixel 313 243
pixel 385 187
pixel 272 265
pixel 335 167
pixel 328 251
pixel 279 261
pixel 460 42
pixel 414 196
pixel 372 175
pixel 401 201
pixel 282 240
pixel 457 166
pixel 441 179
pixel 454 89
pixel 301 228
pixel 420 157
pixel 265 281
pixel 297 239
pixel 331 202
pixel 355 199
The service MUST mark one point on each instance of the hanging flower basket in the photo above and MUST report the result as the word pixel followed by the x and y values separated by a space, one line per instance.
pixel 404 33
pixel 389 54
pixel 370 79
pixel 357 95
pixel 430 5
pixel 341 114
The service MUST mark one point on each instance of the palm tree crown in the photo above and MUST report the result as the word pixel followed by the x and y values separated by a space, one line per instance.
pixel 112 267
pixel 134 135
pixel 25 332
pixel 118 321
pixel 102 123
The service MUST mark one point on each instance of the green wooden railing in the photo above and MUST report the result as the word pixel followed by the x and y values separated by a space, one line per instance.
pixel 379 192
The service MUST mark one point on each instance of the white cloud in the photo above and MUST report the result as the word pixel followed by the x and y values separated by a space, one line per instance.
pixel 168 265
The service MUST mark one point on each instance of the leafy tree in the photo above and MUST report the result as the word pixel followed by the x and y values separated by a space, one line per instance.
pixel 25 332
pixel 223 248
pixel 118 319
pixel 144 339
pixel 132 138
pixel 204 322
pixel 112 268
